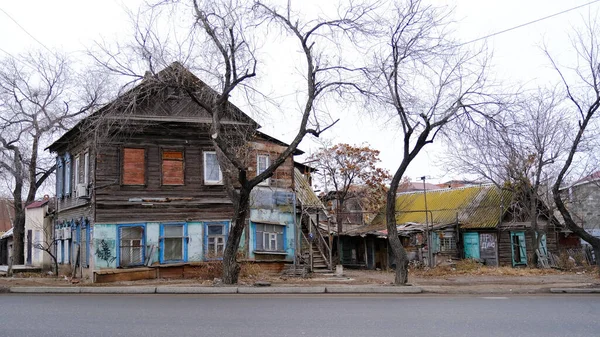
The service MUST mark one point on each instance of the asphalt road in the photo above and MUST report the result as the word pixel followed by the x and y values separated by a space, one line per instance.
pixel 288 315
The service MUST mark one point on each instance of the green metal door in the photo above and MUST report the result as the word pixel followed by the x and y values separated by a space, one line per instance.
pixel 519 253
pixel 471 241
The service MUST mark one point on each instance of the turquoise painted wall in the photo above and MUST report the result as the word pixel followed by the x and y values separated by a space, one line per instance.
pixel 105 249
pixel 195 242
pixel 152 239
pixel 273 215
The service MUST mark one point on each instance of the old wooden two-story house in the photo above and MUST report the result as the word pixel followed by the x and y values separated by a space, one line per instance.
pixel 143 188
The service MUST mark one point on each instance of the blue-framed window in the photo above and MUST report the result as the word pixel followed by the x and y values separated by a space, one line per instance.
pixel 215 238
pixel 59 177
pixel 269 237
pixel 131 240
pixel 173 242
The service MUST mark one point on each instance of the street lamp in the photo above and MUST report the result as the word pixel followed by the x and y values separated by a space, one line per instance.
pixel 429 252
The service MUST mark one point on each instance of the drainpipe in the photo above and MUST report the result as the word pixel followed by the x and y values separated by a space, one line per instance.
pixel 294 213
pixel 429 252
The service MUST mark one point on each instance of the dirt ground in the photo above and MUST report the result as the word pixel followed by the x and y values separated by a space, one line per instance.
pixel 459 280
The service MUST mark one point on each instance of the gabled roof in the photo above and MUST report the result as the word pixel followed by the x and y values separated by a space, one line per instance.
pixel 472 207
pixel 175 71
pixel 587 179
pixel 274 140
pixel 36 204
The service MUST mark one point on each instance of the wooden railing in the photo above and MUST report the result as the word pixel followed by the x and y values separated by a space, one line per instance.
pixel 322 244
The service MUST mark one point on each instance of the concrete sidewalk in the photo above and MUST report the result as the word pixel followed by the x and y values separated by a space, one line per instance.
pixel 217 290
pixel 336 289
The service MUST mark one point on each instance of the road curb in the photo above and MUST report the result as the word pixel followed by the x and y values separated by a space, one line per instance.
pixel 196 290
pixel 281 290
pixel 575 290
pixel 117 290
pixel 45 290
pixel 374 290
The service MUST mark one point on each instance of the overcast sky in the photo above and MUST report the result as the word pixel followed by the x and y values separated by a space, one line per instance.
pixel 71 25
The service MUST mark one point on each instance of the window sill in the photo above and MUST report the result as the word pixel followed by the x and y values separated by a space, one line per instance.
pixel 265 252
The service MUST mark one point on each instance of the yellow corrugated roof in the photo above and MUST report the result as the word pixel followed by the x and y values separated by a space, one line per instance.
pixel 475 207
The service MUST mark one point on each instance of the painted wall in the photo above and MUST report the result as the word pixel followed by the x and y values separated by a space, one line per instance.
pixel 195 241
pixel 272 216
pixel 153 239
pixel 105 249
pixel 39 225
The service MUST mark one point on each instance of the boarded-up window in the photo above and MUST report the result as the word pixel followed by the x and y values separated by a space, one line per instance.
pixel 172 167
pixel 134 166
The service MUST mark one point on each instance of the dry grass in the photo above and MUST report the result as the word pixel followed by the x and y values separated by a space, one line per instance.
pixel 471 267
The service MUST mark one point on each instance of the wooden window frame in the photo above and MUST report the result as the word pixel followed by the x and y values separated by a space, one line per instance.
pixel 210 182
pixel 184 239
pixel 267 181
pixel 270 235
pixel 86 168
pixel 122 165
pixel 173 149
pixel 76 176
pixel 216 253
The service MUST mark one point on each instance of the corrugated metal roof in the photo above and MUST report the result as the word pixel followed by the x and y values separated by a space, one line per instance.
pixel 306 196
pixel 474 207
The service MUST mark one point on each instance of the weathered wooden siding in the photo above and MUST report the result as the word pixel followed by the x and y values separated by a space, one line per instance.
pixel 283 177
pixel 72 206
pixel 153 201
pixel 505 249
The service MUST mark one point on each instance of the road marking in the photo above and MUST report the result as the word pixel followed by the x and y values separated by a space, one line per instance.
pixel 495 298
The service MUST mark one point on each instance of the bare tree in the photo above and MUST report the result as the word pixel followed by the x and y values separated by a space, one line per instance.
pixel 516 151
pixel 426 81
pixel 221 45
pixel 40 94
pixel 581 83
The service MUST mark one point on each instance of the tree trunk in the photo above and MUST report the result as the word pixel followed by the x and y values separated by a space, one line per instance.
pixel 19 235
pixel 340 228
pixel 231 268
pixel 597 256
pixel 398 251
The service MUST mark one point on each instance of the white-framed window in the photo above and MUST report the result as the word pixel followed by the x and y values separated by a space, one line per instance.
pixel 76 170
pixel 86 168
pixel 269 237
pixel 212 171
pixel 262 162
pixel 215 240
pixel 447 243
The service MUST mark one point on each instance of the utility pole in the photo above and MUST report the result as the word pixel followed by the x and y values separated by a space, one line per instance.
pixel 429 252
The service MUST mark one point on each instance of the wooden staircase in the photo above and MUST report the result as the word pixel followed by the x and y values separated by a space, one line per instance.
pixel 316 251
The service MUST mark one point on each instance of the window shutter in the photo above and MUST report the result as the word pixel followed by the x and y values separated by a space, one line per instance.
pixel 67 182
pixel 172 167
pixel 59 177
pixel 134 166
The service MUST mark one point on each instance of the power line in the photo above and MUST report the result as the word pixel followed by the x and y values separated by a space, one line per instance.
pixel 529 23
pixel 28 33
